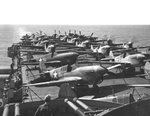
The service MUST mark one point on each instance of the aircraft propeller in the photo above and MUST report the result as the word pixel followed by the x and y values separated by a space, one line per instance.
pixel 107 69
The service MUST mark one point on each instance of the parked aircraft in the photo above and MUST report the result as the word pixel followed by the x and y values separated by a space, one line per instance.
pixel 68 58
pixel 133 59
pixel 80 76
pixel 146 75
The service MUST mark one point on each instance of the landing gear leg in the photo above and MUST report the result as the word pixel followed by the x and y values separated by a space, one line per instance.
pixel 95 88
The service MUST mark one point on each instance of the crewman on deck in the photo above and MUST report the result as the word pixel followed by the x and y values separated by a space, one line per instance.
pixel 45 109
pixel 109 42
pixel 12 69
pixel 53 48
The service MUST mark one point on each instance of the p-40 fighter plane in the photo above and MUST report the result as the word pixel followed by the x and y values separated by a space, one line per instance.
pixel 132 59
pixel 48 47
pixel 128 59
pixel 147 76
pixel 56 61
pixel 86 75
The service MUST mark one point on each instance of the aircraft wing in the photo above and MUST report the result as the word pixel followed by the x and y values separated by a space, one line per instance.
pixel 57 82
pixel 84 52
pixel 68 45
pixel 144 47
pixel 102 62
pixel 107 59
pixel 124 50
pixel 52 62
pixel 117 44
pixel 100 40
pixel 139 85
pixel 37 63
pixel 32 46
pixel 68 50
pixel 34 51
pixel 148 60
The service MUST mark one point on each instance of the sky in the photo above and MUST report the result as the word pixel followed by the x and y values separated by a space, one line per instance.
pixel 75 12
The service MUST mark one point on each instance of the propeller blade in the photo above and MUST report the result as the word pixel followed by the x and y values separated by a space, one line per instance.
pixel 91 34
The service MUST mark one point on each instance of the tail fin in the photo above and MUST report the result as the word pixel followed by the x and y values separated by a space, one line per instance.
pixel 77 43
pixel 111 55
pixel 42 65
pixel 99 46
pixel 147 70
pixel 45 47
pixel 92 48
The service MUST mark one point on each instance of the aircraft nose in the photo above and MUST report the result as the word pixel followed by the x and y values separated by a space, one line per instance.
pixel 141 58
pixel 75 54
pixel 101 71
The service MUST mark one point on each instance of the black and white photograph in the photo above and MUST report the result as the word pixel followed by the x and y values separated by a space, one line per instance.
pixel 74 58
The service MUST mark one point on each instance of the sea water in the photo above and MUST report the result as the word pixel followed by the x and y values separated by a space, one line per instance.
pixel 9 34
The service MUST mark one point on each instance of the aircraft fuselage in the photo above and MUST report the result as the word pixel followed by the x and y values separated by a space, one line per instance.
pixel 89 74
